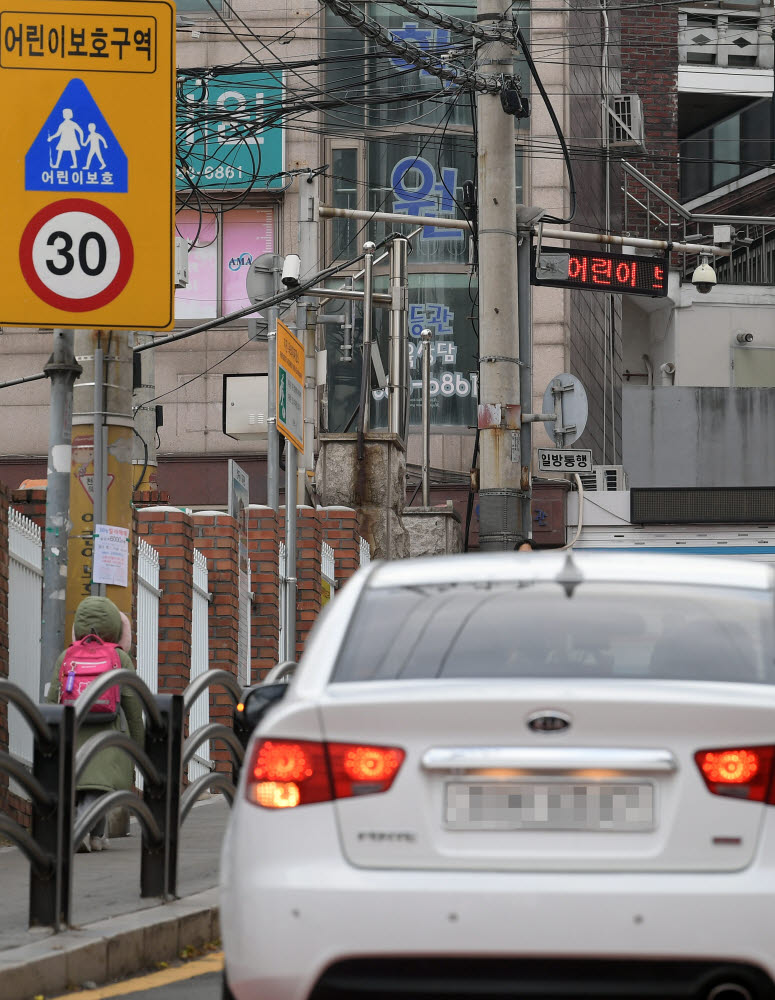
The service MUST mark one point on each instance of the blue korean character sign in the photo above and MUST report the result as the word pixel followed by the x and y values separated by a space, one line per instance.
pixel 429 39
pixel 431 196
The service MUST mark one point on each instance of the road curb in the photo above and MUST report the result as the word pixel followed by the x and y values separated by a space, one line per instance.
pixel 110 949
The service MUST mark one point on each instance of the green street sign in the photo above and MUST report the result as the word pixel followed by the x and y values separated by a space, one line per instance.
pixel 223 141
pixel 282 395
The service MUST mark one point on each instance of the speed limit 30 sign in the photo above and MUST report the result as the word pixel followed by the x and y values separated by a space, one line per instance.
pixel 76 255
pixel 88 183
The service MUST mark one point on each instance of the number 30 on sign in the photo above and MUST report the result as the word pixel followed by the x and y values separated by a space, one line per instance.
pixel 75 254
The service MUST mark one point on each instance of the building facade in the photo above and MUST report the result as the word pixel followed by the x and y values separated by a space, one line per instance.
pixel 273 97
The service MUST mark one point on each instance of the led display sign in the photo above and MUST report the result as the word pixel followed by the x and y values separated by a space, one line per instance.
pixel 600 272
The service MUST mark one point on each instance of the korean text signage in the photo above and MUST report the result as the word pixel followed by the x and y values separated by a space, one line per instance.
pixel 564 460
pixel 87 180
pixel 290 386
pixel 223 143
pixel 600 272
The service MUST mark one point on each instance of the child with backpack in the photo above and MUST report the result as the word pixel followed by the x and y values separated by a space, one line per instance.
pixel 100 642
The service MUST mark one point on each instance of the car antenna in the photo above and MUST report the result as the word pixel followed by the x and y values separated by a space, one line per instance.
pixel 569 576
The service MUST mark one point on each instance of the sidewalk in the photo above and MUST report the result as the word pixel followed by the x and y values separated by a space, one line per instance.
pixel 114 932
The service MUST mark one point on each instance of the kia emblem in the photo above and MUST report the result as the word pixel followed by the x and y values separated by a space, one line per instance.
pixel 548 721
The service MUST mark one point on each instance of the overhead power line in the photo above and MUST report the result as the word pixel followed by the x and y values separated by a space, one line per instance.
pixel 463 79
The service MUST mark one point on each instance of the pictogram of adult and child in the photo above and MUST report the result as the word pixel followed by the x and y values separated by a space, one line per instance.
pixel 72 140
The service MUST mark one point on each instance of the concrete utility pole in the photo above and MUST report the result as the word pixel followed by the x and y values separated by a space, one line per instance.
pixel 63 370
pixel 101 466
pixel 272 434
pixel 500 460
pixel 308 254
pixel 145 459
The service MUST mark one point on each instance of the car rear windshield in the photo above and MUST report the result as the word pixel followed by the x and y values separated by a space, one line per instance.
pixel 539 630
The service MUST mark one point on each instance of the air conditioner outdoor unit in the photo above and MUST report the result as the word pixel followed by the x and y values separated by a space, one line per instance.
pixel 604 477
pixel 625 122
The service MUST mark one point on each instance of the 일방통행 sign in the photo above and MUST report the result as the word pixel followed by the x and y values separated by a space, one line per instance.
pixel 564 460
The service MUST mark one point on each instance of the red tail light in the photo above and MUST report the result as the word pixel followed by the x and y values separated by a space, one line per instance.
pixel 739 772
pixel 287 773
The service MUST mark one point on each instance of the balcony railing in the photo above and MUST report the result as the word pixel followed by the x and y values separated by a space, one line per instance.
pixel 651 212
pixel 732 38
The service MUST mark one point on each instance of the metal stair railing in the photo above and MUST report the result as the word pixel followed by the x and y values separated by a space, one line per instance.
pixel 753 249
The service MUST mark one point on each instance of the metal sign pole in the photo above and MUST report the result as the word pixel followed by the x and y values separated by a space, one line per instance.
pixel 426 416
pixel 98 482
pixel 290 551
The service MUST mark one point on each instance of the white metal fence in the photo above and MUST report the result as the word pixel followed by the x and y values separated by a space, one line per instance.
pixel 200 656
pixel 282 587
pixel 148 595
pixel 243 633
pixel 327 573
pixel 25 595
pixel 364 552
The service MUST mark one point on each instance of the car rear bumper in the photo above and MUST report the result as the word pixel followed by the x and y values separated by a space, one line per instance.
pixel 284 927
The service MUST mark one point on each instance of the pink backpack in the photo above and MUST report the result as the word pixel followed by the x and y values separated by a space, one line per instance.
pixel 84 661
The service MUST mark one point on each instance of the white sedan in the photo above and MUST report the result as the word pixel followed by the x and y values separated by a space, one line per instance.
pixel 515 775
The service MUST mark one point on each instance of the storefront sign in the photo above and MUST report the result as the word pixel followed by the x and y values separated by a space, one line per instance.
pixel 223 143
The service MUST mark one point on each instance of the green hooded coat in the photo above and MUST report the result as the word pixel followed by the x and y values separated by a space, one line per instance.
pixel 111 769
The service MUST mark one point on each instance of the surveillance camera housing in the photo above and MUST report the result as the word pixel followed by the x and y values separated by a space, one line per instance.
pixel 745 338
pixel 704 277
pixel 291 270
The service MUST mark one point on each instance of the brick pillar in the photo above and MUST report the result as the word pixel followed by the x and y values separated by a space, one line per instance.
pixel 216 535
pixel 170 532
pixel 3 637
pixel 150 498
pixel 263 546
pixel 341 530
pixel 31 503
pixel 652 71
pixel 309 538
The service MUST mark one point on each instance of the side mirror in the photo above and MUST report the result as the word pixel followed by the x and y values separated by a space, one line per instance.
pixel 256 702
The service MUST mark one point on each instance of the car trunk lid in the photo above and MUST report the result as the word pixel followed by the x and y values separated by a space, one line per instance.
pixel 615 788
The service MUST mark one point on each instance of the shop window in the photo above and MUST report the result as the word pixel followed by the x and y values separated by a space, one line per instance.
pixel 201 8
pixel 223 245
pixel 442 303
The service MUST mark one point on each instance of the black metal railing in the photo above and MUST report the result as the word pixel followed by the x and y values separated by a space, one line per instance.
pixel 51 782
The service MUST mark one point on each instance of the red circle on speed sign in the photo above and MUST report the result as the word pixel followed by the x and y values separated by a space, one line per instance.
pixel 76 255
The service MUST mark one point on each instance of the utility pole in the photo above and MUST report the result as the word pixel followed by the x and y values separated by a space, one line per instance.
pixel 306 332
pixel 145 459
pixel 500 459
pixel 101 466
pixel 272 434
pixel 62 369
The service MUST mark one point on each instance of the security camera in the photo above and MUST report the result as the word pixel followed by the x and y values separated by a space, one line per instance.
pixel 704 277
pixel 745 338
pixel 292 268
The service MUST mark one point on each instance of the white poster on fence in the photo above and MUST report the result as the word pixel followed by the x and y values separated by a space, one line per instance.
pixel 111 555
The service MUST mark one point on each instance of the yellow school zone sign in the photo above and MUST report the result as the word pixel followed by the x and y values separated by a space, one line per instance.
pixel 290 386
pixel 87 133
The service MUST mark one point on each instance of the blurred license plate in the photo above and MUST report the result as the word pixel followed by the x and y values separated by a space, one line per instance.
pixel 549 805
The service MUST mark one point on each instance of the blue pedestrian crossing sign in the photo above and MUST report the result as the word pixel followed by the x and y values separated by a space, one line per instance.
pixel 76 149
